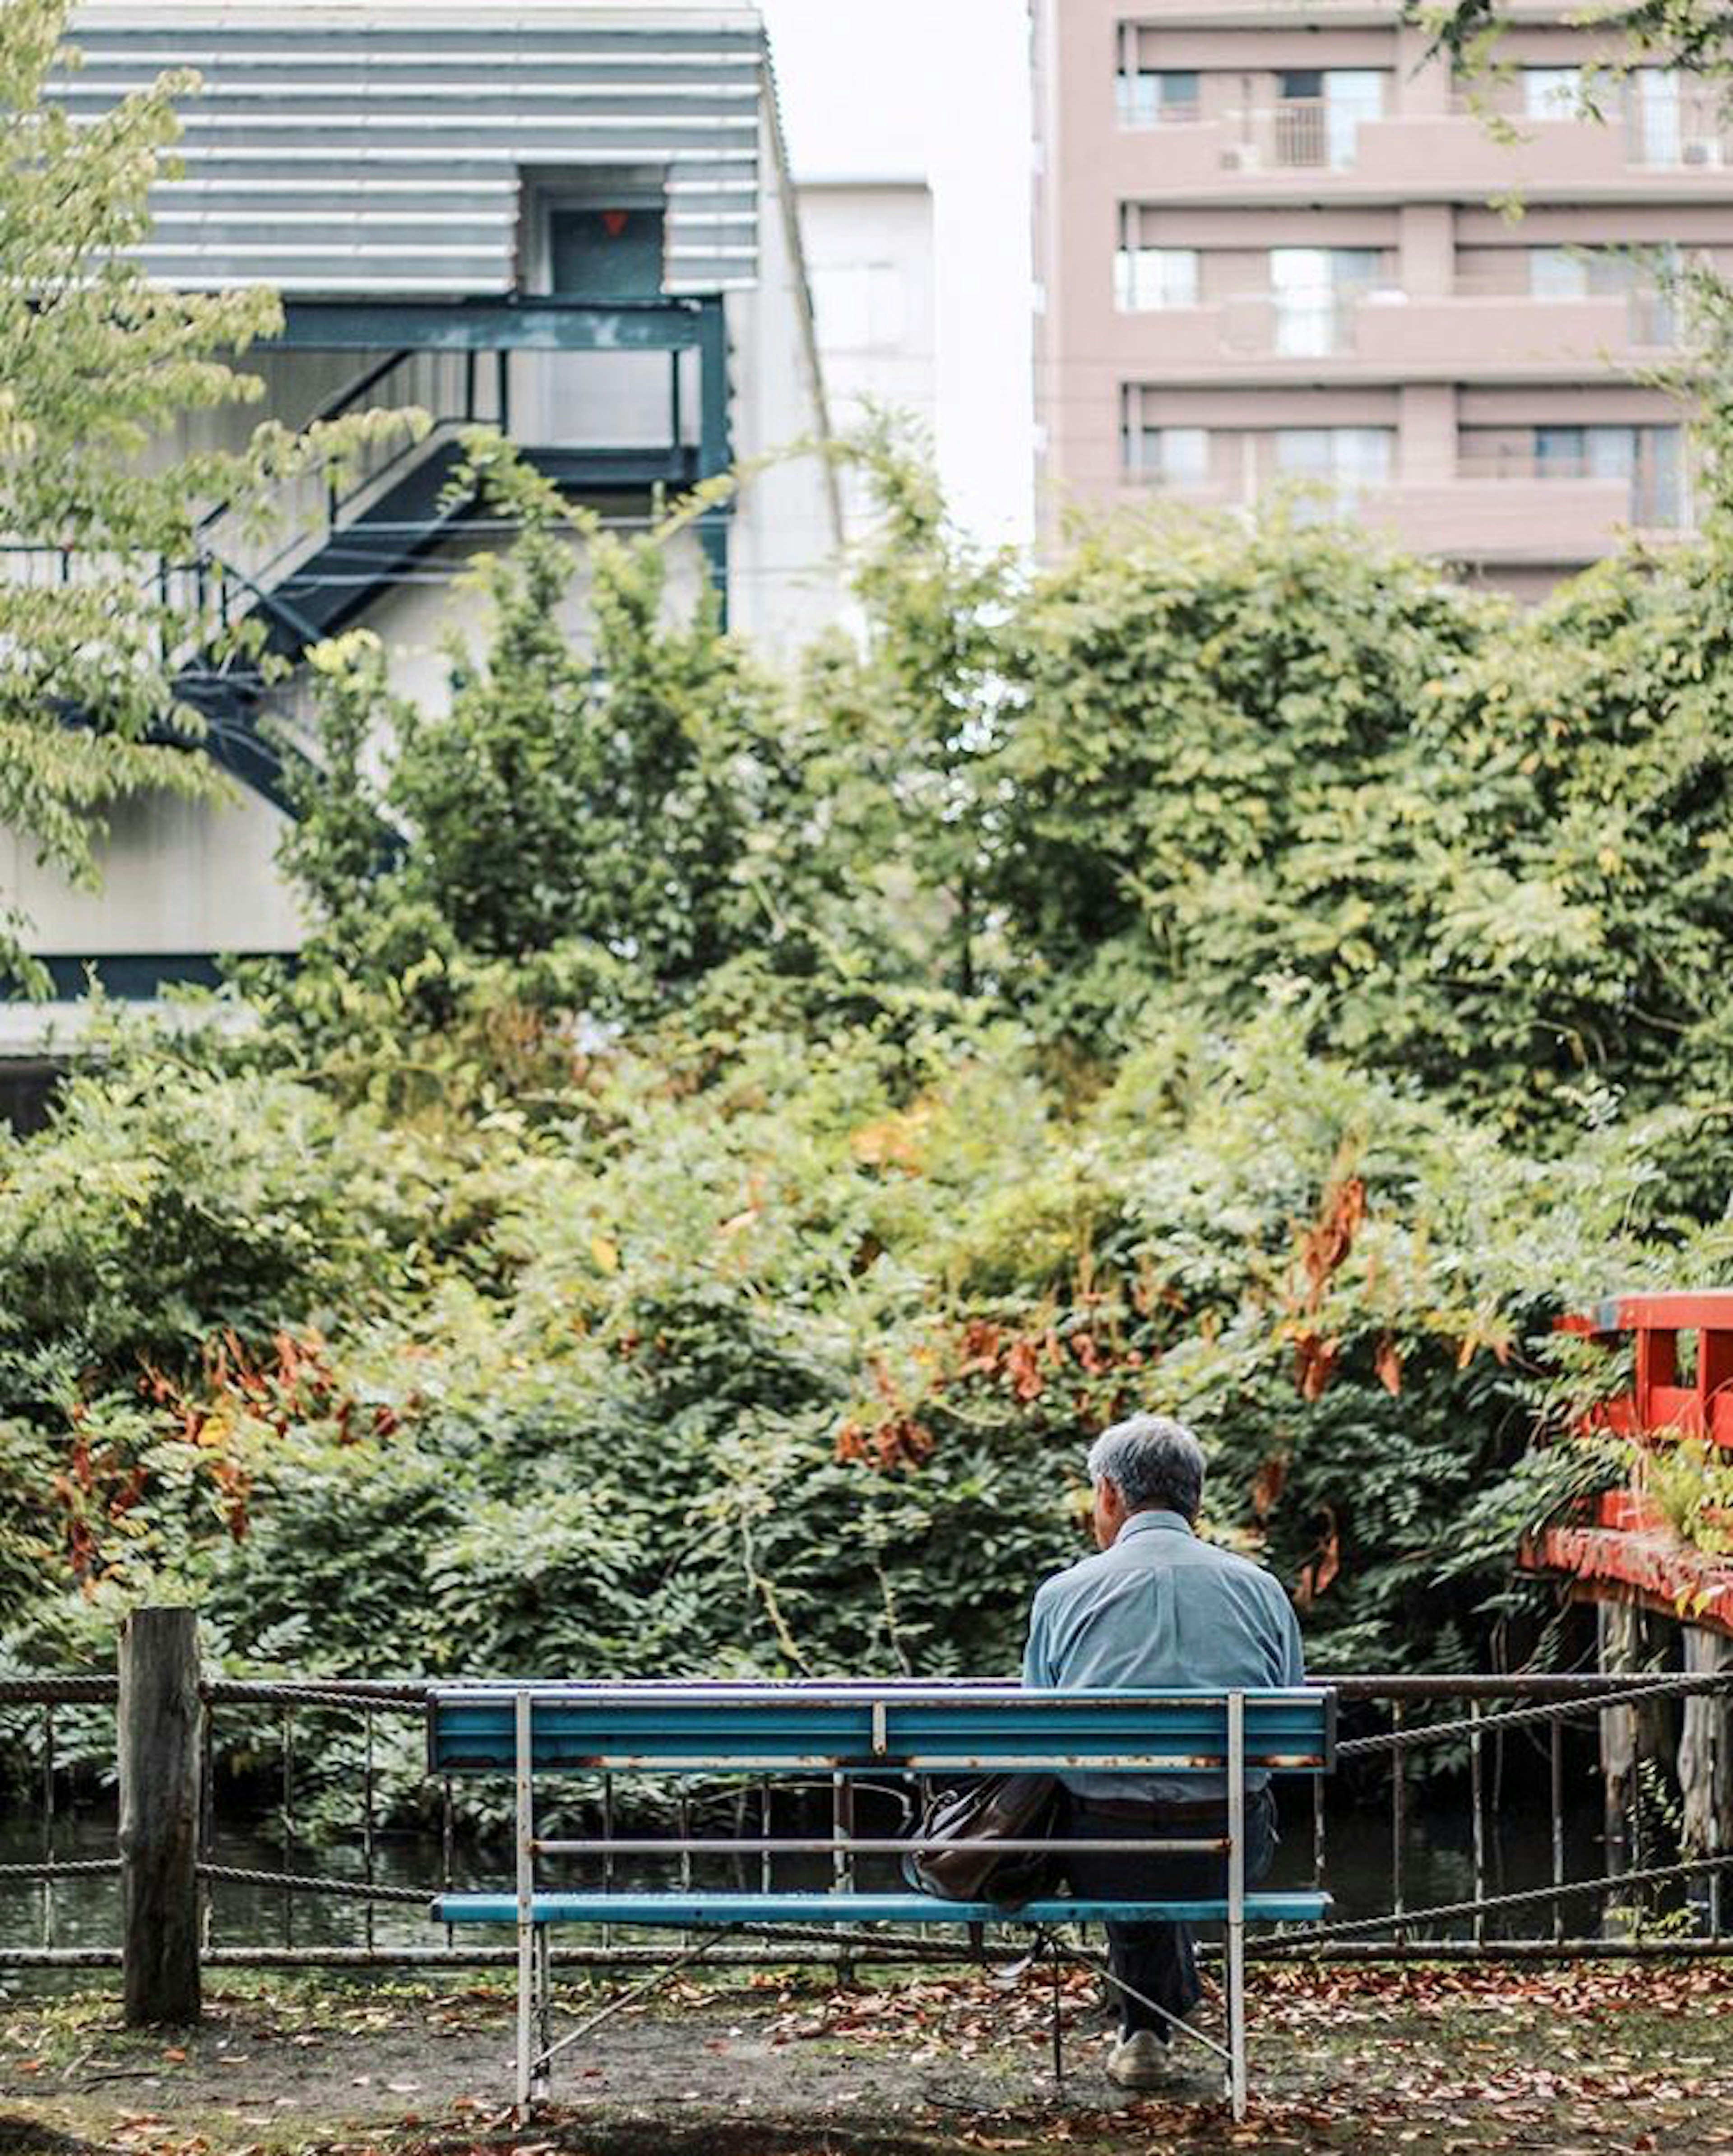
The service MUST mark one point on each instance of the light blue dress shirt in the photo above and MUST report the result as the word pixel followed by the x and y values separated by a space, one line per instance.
pixel 1160 1611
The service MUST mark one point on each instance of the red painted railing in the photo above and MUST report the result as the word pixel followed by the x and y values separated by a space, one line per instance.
pixel 1682 1389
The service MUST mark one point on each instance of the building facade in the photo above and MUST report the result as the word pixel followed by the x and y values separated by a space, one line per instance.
pixel 1283 243
pixel 869 254
pixel 571 219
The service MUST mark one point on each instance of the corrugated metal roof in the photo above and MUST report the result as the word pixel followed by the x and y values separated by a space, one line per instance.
pixel 382 147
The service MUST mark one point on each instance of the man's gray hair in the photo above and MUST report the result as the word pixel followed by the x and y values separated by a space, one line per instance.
pixel 1152 1461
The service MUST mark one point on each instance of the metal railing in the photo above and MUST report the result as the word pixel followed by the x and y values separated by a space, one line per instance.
pixel 241 552
pixel 1297 133
pixel 1511 1745
pixel 1676 128
pixel 448 389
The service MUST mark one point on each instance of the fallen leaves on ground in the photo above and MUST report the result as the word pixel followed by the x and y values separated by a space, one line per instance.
pixel 1610 2059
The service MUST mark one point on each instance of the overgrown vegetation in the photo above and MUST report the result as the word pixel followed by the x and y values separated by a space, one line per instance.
pixel 1236 972
pixel 697 1197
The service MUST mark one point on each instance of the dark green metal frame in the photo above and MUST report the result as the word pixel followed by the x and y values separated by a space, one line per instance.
pixel 304 606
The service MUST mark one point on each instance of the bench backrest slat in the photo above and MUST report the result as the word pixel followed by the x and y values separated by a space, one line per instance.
pixel 858 1729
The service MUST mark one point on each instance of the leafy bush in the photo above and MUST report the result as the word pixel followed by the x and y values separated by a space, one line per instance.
pixel 792 1368
pixel 693 1214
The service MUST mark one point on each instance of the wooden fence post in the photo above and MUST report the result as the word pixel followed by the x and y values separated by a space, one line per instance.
pixel 161 1733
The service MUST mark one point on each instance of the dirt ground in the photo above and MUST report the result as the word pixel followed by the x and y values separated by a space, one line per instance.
pixel 1587 2061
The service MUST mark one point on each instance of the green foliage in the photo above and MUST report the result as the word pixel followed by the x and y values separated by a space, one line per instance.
pixel 1497 843
pixel 1693 35
pixel 1692 1486
pixel 166 1215
pixel 777 1353
pixel 606 796
pixel 694 1203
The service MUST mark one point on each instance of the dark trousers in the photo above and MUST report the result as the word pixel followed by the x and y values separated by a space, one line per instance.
pixel 1157 1959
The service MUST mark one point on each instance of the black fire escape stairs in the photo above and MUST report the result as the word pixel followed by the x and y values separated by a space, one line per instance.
pixel 371 536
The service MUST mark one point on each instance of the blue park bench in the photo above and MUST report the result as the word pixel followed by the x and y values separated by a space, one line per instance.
pixel 806 1730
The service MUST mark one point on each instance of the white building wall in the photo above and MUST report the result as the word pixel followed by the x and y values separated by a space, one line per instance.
pixel 178 878
pixel 943 91
pixel 785 575
pixel 870 257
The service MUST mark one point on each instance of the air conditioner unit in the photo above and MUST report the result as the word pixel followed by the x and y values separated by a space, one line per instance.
pixel 1240 157
pixel 1700 150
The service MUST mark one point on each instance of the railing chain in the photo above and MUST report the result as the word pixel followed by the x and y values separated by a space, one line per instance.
pixel 61 1868
pixel 1655 1874
pixel 1438 1733
pixel 294 1882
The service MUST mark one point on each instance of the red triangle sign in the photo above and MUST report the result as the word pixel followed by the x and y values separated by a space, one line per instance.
pixel 615 220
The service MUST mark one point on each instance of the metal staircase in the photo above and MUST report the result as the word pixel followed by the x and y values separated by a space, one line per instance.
pixel 332 551
pixel 312 560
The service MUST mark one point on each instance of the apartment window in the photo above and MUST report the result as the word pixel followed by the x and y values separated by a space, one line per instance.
pixel 1156 97
pixel 1314 290
pixel 1558 273
pixel 1145 278
pixel 1657 118
pixel 1644 278
pixel 1168 456
pixel 1552 93
pixel 1647 458
pixel 1347 461
pixel 1321 111
pixel 1676 121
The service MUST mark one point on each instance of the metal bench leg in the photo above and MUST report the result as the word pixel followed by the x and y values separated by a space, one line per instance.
pixel 540 2065
pixel 1059 2026
pixel 526 1927
pixel 1236 1956
pixel 526 2015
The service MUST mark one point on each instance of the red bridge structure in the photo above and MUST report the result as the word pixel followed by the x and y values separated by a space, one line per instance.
pixel 1661 1604
pixel 1626 1553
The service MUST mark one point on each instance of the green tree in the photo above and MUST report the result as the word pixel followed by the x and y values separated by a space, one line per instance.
pixel 1693 34
pixel 915 715
pixel 594 785
pixel 1490 849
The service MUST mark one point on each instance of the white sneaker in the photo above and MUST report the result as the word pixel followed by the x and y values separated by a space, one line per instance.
pixel 1140 2061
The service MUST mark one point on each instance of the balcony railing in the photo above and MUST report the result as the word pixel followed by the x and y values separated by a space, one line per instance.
pixel 1326 322
pixel 1141 108
pixel 1682 129
pixel 1317 323
pixel 1301 134
pixel 1659 499
pixel 1668 125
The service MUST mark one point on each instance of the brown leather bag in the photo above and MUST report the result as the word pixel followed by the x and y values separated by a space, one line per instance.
pixel 955 1853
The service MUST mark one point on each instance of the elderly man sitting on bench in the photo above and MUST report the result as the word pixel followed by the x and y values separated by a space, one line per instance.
pixel 1157 1609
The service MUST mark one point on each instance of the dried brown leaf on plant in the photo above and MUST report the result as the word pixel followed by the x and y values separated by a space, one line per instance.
pixel 1325 1246
pixel 1314 1361
pixel 1388 1365
pixel 1267 1485
pixel 1325 1564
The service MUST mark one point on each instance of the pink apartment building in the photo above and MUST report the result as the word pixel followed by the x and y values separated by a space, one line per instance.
pixel 1279 241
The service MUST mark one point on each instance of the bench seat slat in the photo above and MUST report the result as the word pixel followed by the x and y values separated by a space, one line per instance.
pixel 703 1909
